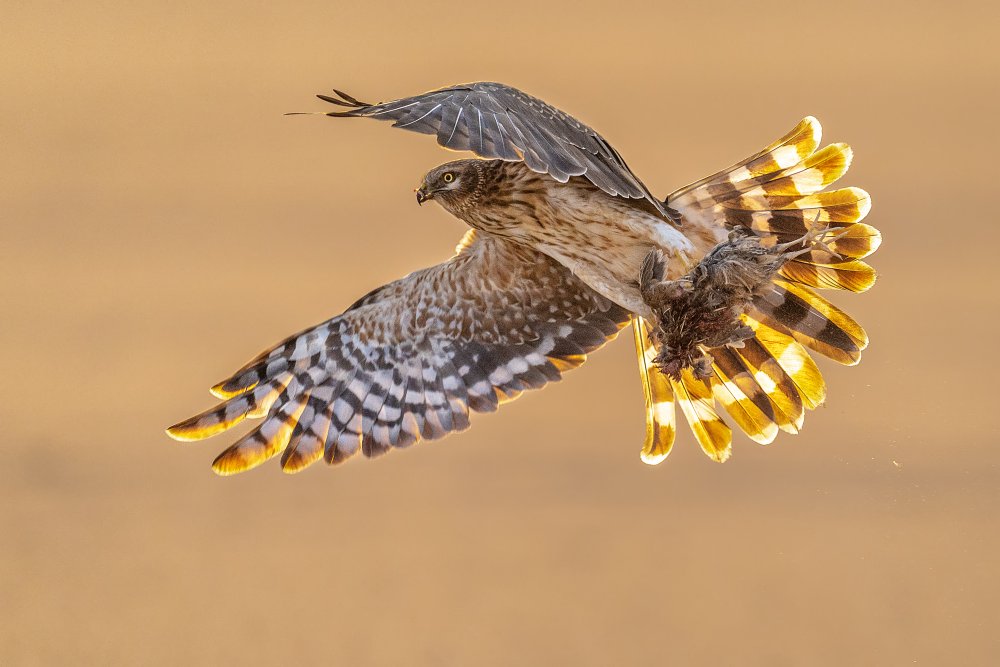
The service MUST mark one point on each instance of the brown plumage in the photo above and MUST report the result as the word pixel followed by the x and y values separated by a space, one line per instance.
pixel 568 246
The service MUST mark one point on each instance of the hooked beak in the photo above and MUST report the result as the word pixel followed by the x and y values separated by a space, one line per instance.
pixel 423 194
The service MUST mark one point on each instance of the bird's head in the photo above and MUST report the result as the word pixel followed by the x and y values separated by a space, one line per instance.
pixel 455 185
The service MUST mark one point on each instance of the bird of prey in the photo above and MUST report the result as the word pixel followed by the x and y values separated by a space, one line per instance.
pixel 567 246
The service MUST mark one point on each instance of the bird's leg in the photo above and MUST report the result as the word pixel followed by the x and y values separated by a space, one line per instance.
pixel 657 292
pixel 816 236
pixel 682 316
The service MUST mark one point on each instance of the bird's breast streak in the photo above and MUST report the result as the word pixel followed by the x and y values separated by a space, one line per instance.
pixel 603 241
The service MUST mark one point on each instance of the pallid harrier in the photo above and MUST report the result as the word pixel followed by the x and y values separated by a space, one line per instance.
pixel 568 246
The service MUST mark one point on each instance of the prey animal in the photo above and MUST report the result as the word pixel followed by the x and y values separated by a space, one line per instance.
pixel 566 247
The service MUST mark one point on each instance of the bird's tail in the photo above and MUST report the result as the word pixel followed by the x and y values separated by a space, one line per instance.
pixel 766 385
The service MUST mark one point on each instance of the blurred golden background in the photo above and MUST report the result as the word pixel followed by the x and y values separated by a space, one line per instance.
pixel 163 222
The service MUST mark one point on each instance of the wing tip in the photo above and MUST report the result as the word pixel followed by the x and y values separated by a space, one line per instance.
pixel 223 471
pixel 343 100
pixel 219 390
pixel 230 463
pixel 296 463
pixel 232 387
pixel 180 433
pixel 195 428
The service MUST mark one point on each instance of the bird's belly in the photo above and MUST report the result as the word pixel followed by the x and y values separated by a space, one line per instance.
pixel 613 272
pixel 605 246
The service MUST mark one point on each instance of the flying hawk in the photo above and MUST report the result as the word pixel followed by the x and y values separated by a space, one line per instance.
pixel 566 247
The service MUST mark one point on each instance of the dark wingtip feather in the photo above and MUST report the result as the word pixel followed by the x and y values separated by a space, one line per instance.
pixel 351 100
pixel 334 100
pixel 343 100
pixel 355 106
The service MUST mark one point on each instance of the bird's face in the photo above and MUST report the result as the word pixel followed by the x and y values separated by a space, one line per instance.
pixel 452 184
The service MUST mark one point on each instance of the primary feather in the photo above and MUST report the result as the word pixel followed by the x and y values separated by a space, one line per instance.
pixel 410 361
pixel 551 273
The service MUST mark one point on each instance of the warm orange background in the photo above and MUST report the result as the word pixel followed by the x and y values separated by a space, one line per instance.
pixel 162 222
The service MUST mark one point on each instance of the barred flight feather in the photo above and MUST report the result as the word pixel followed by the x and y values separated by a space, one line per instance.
pixel 412 359
pixel 263 442
pixel 409 361
pixel 253 403
pixel 305 447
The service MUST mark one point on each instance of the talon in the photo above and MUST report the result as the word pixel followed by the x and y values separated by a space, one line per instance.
pixel 815 237
pixel 826 238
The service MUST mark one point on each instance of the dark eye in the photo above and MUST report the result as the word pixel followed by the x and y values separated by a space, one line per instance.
pixel 448 177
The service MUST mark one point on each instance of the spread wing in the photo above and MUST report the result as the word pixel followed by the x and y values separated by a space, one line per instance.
pixel 496 121
pixel 410 360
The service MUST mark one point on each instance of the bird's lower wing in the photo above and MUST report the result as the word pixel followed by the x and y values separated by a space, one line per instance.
pixel 411 360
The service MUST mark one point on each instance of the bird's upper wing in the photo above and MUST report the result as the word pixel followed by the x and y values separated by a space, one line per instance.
pixel 496 121
pixel 411 359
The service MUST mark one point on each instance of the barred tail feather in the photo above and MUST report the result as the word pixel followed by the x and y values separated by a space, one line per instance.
pixel 794 360
pixel 740 396
pixel 698 405
pixel 784 202
pixel 780 195
pixel 815 172
pixel 785 399
pixel 811 320
pixel 786 152
pixel 729 365
pixel 767 384
pixel 764 386
pixel 822 270
pixel 661 427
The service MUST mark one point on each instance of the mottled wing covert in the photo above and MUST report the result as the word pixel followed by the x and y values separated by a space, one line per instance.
pixel 497 121
pixel 411 359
